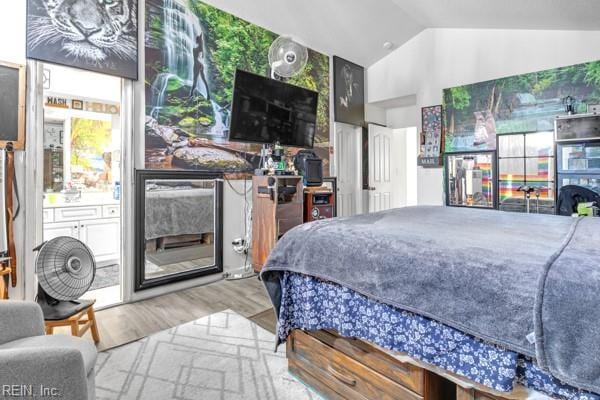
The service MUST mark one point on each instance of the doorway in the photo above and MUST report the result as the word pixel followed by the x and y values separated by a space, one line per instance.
pixel 348 164
pixel 392 167
pixel 82 170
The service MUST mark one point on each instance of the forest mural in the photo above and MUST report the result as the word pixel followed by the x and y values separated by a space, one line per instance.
pixel 476 113
pixel 192 52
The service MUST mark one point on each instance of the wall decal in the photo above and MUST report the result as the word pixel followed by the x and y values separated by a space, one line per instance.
pixel 431 136
pixel 192 53
pixel 349 92
pixel 97 35
pixel 476 113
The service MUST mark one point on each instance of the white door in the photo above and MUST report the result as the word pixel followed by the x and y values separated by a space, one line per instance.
pixel 348 167
pixel 57 229
pixel 383 176
pixel 102 236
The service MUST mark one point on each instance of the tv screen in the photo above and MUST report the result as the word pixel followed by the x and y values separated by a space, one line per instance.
pixel 267 111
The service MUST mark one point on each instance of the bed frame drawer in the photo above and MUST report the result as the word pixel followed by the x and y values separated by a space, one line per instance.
pixel 406 375
pixel 347 377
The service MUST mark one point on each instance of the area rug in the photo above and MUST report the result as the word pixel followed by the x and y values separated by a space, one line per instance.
pixel 223 356
pixel 106 276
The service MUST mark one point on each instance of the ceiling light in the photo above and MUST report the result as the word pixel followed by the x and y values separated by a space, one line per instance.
pixel 388 45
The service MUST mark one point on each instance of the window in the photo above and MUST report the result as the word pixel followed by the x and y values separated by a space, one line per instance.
pixel 526 160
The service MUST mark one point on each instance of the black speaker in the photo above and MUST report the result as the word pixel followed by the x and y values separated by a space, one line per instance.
pixel 309 166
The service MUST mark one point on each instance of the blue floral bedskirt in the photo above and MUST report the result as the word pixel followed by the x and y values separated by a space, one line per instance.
pixel 310 303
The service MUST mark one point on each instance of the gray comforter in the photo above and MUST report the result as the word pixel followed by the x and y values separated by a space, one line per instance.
pixel 497 276
pixel 173 212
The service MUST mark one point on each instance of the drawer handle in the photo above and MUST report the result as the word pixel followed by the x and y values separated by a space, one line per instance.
pixel 341 377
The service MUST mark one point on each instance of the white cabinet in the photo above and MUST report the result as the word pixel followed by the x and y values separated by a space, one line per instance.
pixel 90 224
pixel 77 213
pixel 57 229
pixel 102 236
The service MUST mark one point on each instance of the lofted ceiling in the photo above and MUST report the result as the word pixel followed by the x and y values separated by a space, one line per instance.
pixel 504 14
pixel 357 29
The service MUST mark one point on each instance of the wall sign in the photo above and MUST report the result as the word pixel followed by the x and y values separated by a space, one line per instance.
pixel 432 137
pixel 83 105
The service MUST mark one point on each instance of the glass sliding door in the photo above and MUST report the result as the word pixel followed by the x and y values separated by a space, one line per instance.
pixel 471 179
pixel 81 185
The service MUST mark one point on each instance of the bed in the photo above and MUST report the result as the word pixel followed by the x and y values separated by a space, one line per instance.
pixel 504 302
pixel 178 210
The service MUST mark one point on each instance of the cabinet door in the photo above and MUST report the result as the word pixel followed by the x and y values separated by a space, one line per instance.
pixel 103 237
pixel 57 229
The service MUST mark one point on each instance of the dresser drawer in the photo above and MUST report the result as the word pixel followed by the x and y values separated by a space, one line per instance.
pixel 48 215
pixel 344 375
pixel 407 375
pixel 111 211
pixel 77 213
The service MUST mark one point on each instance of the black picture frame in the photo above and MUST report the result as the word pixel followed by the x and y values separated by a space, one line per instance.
pixel 143 175
pixel 12 105
pixel 99 50
pixel 348 92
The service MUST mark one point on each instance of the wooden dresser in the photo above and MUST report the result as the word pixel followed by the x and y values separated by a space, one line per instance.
pixel 347 368
pixel 277 207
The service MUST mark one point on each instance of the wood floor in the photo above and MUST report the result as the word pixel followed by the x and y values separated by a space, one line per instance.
pixel 129 322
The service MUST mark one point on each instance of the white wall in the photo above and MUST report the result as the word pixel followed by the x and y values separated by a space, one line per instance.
pixel 12 31
pixel 441 58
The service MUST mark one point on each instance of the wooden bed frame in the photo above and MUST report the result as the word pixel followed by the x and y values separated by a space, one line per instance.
pixel 346 368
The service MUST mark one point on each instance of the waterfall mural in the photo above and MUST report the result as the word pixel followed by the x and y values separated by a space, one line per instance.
pixel 476 113
pixel 192 52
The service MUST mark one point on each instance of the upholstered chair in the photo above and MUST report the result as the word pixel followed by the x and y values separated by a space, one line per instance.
pixel 53 366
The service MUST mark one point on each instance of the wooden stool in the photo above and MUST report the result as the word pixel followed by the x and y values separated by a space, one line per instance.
pixel 78 322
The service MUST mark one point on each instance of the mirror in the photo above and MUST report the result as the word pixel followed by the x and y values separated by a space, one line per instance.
pixel 178 226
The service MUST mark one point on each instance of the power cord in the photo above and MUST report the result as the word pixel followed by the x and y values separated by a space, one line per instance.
pixel 244 246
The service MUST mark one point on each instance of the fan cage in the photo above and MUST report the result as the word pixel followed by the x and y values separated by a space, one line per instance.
pixel 279 50
pixel 55 278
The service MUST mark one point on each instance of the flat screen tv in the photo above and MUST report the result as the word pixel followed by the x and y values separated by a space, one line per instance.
pixel 268 111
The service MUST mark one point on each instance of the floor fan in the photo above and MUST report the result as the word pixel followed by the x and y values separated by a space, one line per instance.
pixel 65 268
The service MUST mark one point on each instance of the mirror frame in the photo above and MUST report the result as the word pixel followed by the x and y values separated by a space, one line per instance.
pixel 143 175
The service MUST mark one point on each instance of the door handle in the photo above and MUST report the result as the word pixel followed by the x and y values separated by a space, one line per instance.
pixel 372 188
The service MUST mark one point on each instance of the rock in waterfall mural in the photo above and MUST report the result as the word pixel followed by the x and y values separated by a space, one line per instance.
pixel 192 52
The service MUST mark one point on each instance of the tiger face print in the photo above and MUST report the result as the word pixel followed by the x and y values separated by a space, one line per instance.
pixel 90 29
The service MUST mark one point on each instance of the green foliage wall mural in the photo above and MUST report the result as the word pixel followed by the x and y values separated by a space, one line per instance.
pixel 475 113
pixel 188 103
